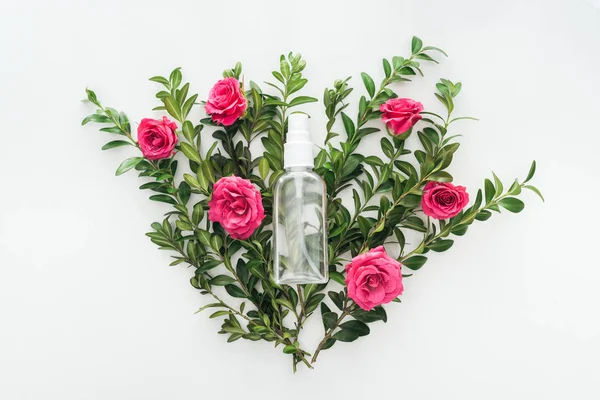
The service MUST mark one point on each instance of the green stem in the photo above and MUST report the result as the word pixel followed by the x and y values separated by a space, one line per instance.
pixel 347 309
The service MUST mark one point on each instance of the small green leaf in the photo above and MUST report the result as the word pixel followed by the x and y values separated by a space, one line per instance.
pixel 289 349
pixel 188 131
pixel 184 192
pixel 163 198
pixel 376 314
pixel 416 45
pixel 369 84
pixel 302 100
pixel 359 327
pixel 535 190
pixel 160 79
pixel 191 180
pixel 387 68
pixel 330 319
pixel 101 119
pixel 219 313
pixel 512 204
pixel 197 213
pixel 235 291
pixel 499 186
pixel 441 245
pixel 221 280
pixel 441 176
pixel 116 143
pixel 414 262
pixel 490 191
pixel 190 152
pixel 128 164
pixel 348 125
pixel 346 335
pixel 531 172
pixel 263 168
pixel 483 215
pixel 337 277
pixel 207 266
pixel 172 107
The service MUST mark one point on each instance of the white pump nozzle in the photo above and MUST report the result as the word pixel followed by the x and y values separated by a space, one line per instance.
pixel 298 149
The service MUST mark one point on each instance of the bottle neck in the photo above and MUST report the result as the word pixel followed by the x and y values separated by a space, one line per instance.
pixel 299 168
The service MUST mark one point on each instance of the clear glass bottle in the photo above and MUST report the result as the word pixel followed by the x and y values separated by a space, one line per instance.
pixel 299 212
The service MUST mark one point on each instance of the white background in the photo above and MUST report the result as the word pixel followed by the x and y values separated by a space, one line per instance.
pixel 88 307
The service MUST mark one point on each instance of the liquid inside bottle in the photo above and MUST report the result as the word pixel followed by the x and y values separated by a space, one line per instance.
pixel 299 228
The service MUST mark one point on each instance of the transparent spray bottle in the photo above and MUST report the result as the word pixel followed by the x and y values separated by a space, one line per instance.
pixel 299 212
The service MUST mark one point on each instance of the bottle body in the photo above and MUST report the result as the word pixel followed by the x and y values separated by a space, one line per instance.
pixel 300 228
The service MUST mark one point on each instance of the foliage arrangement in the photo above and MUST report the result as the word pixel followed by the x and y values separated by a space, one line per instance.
pixel 406 190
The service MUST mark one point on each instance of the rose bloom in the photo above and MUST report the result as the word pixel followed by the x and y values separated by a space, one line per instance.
pixel 226 102
pixel 373 278
pixel 400 114
pixel 442 200
pixel 157 138
pixel 237 205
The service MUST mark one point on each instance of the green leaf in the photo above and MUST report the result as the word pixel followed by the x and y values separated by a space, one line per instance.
pixel 427 48
pixel 219 313
pixel 369 84
pixel 376 314
pixel 364 225
pixel 313 302
pixel 499 186
pixel 289 349
pixel 337 277
pixel 302 100
pixel 346 335
pixel 441 245
pixel 163 198
pixel 160 79
pixel 190 152
pixel 515 188
pixel 387 68
pixel 128 164
pixel 197 213
pixel 221 280
pixel 263 168
pixel 483 215
pixel 535 190
pixel 441 176
pixel 207 266
pixel 414 262
pixel 172 107
pixel 512 204
pixel 116 143
pixel 490 191
pixel 416 45
pixel 184 192
pixel 191 180
pixel 330 319
pixel 531 172
pixel 336 298
pixel 101 119
pixel 188 131
pixel 348 125
pixel 175 78
pixel 235 291
pixel 357 326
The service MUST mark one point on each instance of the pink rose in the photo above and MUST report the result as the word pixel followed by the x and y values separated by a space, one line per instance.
pixel 400 114
pixel 443 200
pixel 226 102
pixel 373 278
pixel 157 138
pixel 237 205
